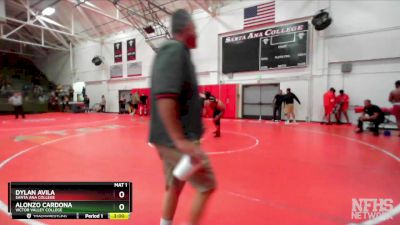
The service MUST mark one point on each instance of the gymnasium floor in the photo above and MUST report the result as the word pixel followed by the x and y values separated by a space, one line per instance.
pixel 267 173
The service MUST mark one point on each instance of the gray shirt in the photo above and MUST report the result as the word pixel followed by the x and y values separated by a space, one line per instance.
pixel 173 76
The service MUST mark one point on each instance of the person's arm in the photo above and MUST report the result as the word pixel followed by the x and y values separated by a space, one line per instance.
pixel 168 110
pixel 274 101
pixel 295 97
pixel 221 107
pixel 374 116
pixel 362 117
pixel 391 97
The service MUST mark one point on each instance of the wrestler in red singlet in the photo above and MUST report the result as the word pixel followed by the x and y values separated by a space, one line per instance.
pixel 343 100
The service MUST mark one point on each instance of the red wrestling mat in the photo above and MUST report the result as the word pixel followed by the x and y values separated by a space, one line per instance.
pixel 267 173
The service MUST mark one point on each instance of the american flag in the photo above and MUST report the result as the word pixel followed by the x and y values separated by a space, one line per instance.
pixel 260 14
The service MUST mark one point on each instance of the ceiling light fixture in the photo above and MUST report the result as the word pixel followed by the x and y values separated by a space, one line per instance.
pixel 48 11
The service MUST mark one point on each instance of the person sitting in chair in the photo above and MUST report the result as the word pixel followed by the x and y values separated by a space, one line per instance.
pixel 373 114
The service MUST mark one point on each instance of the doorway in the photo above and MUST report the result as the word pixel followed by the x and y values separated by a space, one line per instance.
pixel 258 101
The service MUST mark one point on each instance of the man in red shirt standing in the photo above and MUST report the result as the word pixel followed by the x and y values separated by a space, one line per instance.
pixel 394 98
pixel 329 105
pixel 343 101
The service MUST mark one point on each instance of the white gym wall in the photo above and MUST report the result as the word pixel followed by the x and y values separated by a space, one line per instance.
pixel 364 33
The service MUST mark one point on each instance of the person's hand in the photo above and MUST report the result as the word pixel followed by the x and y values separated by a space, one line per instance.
pixel 190 148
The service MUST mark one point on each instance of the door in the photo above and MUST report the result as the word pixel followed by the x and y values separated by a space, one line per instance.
pixel 257 101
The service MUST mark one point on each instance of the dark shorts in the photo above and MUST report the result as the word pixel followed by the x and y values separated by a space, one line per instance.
pixel 135 106
pixel 203 180
pixel 216 113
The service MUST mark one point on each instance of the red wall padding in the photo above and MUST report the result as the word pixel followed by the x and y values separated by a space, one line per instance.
pixel 226 93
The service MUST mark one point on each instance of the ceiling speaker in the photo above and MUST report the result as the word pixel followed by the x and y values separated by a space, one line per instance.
pixel 347 67
pixel 149 29
pixel 321 21
pixel 97 61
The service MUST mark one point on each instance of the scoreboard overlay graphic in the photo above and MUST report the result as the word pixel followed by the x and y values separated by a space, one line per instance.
pixel 70 200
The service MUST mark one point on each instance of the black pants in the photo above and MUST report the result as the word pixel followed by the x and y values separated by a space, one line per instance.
pixel 19 110
pixel 374 129
pixel 86 107
pixel 277 110
pixel 103 108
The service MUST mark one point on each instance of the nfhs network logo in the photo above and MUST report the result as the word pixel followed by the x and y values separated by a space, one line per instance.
pixel 369 208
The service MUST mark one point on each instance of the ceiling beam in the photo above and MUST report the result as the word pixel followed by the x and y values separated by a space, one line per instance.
pixel 34 44
pixel 42 20
pixel 27 38
pixel 53 22
pixel 89 20
pixel 57 36
pixel 38 15
pixel 204 6
pixel 190 6
pixel 100 12
pixel 18 53
pixel 16 29
pixel 46 28
pixel 159 7
pixel 26 6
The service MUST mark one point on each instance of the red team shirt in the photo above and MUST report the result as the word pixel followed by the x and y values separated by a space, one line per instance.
pixel 329 102
pixel 344 101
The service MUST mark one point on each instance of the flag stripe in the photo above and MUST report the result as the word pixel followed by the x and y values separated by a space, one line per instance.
pixel 260 23
pixel 264 15
pixel 266 6
pixel 266 10
pixel 259 19
pixel 261 16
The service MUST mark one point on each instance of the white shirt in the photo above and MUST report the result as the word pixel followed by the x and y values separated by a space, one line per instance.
pixel 15 100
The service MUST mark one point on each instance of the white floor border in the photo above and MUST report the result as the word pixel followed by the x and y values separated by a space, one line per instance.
pixel 256 142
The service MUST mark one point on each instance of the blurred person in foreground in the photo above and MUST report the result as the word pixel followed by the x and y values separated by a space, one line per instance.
pixel 176 125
